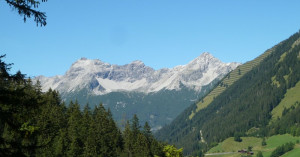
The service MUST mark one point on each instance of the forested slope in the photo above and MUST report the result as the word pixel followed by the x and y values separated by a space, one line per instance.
pixel 246 103
pixel 227 81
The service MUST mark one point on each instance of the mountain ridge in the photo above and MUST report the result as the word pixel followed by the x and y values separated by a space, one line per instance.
pixel 102 78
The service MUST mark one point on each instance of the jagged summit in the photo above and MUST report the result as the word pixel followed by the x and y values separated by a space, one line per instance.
pixel 101 78
pixel 206 55
pixel 137 62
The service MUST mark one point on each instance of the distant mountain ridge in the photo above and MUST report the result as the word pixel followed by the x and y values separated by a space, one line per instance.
pixel 102 78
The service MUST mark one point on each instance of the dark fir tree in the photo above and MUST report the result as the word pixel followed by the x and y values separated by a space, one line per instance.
pixel 147 131
pixel 74 131
pixel 19 103
pixel 135 125
pixel 237 137
pixel 128 142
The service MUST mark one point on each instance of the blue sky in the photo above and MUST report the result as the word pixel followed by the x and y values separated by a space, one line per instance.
pixel 161 33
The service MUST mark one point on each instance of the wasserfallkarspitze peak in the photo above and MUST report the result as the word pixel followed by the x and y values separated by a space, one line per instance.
pixel 101 78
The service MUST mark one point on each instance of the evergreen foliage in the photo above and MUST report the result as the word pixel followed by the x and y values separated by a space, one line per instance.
pixel 289 122
pixel 264 143
pixel 36 123
pixel 282 149
pixel 140 142
pixel 27 8
pixel 237 137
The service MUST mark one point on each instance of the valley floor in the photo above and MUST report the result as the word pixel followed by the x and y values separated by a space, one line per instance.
pixel 229 145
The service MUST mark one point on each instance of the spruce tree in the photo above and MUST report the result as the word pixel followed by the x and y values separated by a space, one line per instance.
pixel 141 146
pixel 90 145
pixel 74 125
pixel 50 119
pixel 18 107
pixel 147 130
pixel 86 120
pixel 135 126
pixel 128 140
pixel 62 143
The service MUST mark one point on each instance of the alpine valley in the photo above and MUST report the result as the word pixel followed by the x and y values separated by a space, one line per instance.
pixel 258 104
pixel 156 96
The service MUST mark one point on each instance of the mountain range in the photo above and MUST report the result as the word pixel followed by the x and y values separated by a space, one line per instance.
pixel 157 96
pixel 102 78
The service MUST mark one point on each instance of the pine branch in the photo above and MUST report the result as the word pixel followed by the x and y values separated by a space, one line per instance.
pixel 24 8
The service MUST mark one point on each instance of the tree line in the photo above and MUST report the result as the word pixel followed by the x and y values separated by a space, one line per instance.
pixel 280 150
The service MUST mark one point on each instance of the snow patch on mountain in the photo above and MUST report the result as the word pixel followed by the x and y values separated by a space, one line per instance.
pixel 102 78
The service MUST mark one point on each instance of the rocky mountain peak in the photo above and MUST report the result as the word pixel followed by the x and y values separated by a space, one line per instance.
pixel 137 62
pixel 205 58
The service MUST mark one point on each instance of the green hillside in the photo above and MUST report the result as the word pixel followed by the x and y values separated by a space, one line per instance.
pixel 243 102
pixel 294 153
pixel 228 81
pixel 290 98
pixel 229 145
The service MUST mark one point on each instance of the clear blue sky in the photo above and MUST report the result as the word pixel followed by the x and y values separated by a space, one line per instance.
pixel 161 33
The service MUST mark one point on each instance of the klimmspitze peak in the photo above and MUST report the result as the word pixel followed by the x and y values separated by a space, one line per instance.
pixel 137 62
